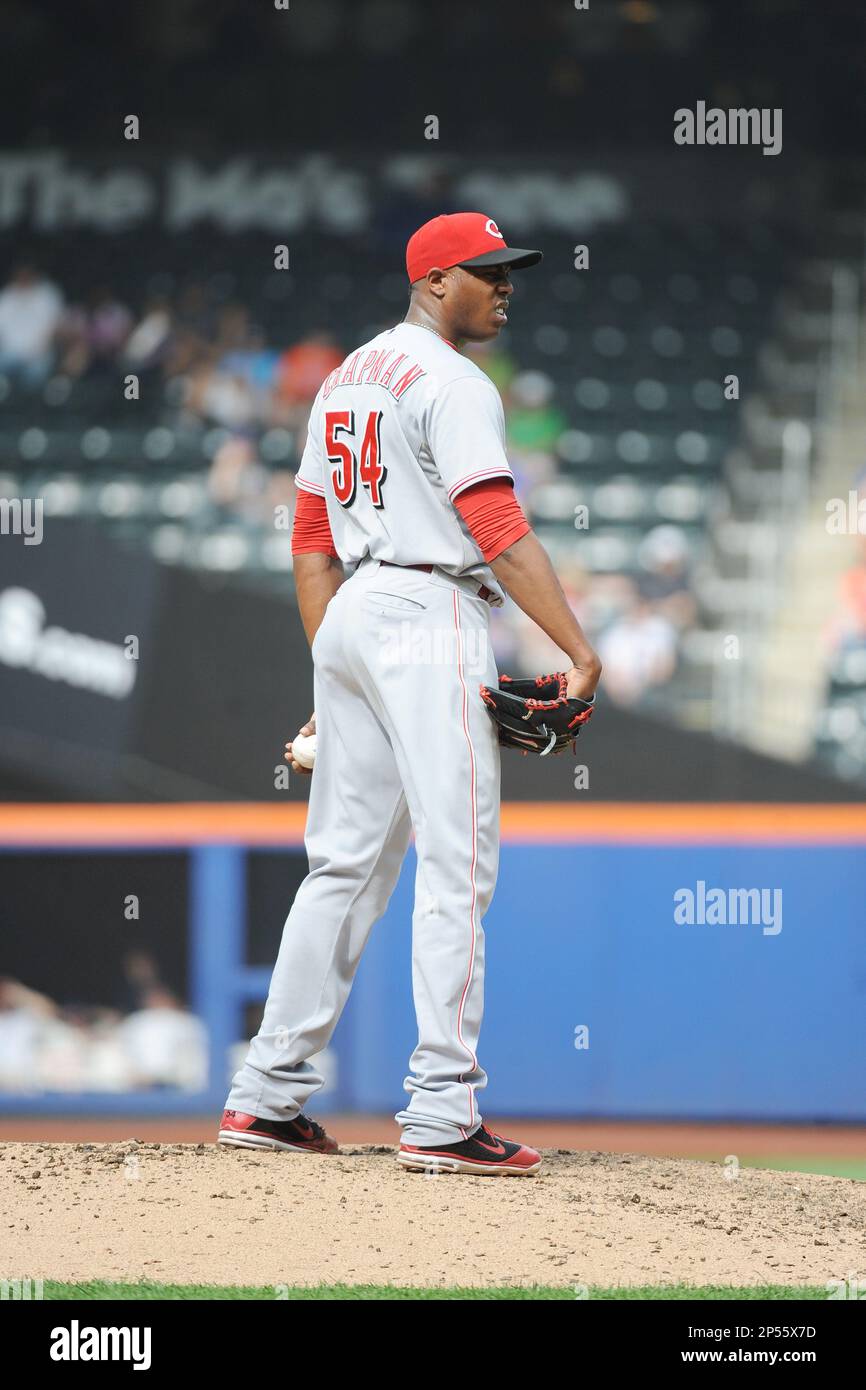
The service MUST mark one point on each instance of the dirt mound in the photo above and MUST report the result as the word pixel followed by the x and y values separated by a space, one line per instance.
pixel 183 1213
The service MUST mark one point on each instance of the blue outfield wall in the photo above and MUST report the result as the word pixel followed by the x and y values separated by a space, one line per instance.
pixel 705 1021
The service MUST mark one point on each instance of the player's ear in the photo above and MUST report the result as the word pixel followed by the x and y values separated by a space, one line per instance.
pixel 436 281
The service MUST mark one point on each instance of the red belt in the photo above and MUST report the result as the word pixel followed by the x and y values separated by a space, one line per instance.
pixel 483 591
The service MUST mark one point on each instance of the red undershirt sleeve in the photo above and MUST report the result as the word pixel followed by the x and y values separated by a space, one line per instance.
pixel 311 529
pixel 493 515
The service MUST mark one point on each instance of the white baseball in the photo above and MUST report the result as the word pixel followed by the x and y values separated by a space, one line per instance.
pixel 304 749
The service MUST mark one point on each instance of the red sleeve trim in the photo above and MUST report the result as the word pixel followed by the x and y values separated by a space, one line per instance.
pixel 303 485
pixel 311 529
pixel 472 478
pixel 493 514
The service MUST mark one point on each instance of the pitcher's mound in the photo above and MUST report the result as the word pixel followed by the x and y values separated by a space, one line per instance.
pixel 182 1213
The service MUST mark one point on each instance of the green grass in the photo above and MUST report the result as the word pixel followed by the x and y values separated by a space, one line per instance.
pixel 101 1290
pixel 833 1167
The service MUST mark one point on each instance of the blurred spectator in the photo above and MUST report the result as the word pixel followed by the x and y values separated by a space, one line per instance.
pixel 44 1047
pixel 238 484
pixel 853 607
pixel 30 314
pixel 93 336
pixel 227 399
pixel 165 1045
pixel 608 597
pixel 24 1016
pixel 62 1057
pixel 530 468
pixel 665 555
pixel 503 639
pixel 195 314
pixel 848 626
pixel 256 363
pixel 537 653
pixel 108 1067
pixel 495 361
pixel 140 973
pixel 280 491
pixel 302 369
pixel 150 337
pixel 533 422
pixel 638 651
pixel 232 329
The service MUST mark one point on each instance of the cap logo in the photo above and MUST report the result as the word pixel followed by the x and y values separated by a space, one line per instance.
pixel 491 229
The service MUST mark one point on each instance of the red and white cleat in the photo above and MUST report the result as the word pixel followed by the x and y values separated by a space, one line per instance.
pixel 301 1135
pixel 482 1152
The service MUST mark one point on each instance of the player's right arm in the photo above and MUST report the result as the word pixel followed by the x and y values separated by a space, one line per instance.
pixel 317 568
pixel 318 576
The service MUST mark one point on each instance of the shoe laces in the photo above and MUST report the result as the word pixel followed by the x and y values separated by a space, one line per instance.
pixel 317 1129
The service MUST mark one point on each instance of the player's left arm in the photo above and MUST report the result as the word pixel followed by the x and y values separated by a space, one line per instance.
pixel 318 576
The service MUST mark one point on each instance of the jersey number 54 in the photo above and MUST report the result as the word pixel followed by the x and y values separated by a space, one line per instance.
pixel 340 446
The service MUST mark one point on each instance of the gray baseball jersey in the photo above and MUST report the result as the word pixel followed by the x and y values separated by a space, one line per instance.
pixel 396 433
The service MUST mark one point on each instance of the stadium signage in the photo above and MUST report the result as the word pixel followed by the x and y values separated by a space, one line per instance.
pixel 49 192
pixel 87 662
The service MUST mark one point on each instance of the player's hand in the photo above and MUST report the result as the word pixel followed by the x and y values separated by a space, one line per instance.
pixel 581 681
pixel 309 728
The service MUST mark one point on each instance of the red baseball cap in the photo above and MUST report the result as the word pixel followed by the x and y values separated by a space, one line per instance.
pixel 461 238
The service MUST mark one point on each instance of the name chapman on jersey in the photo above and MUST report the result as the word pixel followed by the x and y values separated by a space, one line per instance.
pixel 374 370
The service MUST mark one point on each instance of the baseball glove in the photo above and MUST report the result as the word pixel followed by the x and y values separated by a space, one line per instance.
pixel 536 715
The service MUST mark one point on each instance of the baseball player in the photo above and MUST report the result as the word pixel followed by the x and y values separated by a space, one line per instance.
pixel 406 533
